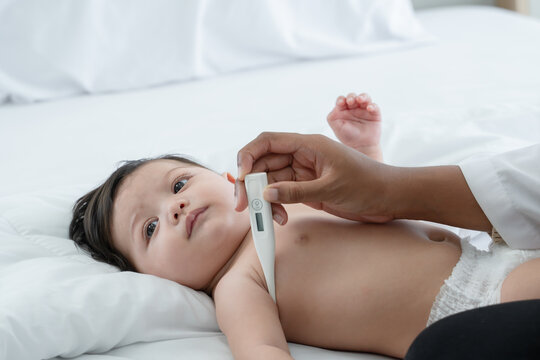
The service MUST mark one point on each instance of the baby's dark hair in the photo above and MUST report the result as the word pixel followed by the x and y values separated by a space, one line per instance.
pixel 90 226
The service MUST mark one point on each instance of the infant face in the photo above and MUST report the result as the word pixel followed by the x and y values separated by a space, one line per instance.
pixel 177 221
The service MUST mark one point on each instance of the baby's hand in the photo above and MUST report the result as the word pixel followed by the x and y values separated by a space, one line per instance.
pixel 356 121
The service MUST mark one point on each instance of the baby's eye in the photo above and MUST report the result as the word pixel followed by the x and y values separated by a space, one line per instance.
pixel 179 185
pixel 150 228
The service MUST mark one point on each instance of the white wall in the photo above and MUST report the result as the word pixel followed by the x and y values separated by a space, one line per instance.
pixel 534 6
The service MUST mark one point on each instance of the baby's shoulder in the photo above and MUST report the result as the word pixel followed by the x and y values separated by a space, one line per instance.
pixel 240 276
pixel 237 286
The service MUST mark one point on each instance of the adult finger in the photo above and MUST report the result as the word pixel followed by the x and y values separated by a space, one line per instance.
pixel 284 174
pixel 271 162
pixel 296 172
pixel 278 211
pixel 240 196
pixel 290 192
pixel 279 214
pixel 266 143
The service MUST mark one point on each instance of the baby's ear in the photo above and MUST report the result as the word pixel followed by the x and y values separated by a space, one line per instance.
pixel 229 177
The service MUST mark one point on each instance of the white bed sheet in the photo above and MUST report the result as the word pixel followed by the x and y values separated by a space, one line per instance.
pixel 476 90
pixel 477 62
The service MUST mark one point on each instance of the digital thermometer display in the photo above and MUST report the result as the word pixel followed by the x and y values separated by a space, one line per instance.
pixel 259 219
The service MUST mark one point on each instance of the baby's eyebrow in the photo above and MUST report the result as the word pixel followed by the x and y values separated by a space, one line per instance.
pixel 168 174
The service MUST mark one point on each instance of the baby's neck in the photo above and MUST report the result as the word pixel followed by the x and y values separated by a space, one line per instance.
pixel 239 250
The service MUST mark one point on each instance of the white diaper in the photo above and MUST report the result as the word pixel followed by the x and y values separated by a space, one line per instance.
pixel 477 278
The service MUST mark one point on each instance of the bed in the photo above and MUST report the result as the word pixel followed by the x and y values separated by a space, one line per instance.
pixel 473 88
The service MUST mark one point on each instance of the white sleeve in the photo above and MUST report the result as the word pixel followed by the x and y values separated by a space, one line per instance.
pixel 507 188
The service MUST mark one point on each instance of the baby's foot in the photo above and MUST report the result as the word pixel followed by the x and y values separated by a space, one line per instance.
pixel 356 121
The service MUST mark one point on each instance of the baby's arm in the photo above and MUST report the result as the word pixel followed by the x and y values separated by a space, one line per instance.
pixel 249 318
pixel 356 121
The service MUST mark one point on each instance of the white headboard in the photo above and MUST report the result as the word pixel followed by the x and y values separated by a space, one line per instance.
pixel 421 4
pixel 521 6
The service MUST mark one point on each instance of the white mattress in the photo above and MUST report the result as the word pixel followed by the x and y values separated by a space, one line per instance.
pixel 476 90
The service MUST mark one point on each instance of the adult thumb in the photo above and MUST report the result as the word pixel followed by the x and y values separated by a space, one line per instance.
pixel 290 192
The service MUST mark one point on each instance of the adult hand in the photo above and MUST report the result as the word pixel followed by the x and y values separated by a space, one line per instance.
pixel 316 171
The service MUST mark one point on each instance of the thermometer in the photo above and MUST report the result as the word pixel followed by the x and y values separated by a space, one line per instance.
pixel 262 226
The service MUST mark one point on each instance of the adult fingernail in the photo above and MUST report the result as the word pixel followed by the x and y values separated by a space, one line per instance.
pixel 235 195
pixel 278 218
pixel 239 172
pixel 239 164
pixel 270 194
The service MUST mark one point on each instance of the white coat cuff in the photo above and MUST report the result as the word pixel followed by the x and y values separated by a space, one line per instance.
pixel 492 196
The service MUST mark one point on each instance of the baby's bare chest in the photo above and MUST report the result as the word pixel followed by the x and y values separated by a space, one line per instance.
pixel 339 274
pixel 328 249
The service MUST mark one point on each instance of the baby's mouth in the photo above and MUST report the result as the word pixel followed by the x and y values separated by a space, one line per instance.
pixel 191 219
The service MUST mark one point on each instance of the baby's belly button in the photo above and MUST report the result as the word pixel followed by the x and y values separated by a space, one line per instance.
pixel 440 236
pixel 437 237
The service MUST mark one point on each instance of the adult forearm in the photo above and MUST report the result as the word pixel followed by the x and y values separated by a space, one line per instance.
pixel 439 194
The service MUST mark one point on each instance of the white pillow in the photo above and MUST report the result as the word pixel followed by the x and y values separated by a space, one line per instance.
pixel 57 301
pixel 85 46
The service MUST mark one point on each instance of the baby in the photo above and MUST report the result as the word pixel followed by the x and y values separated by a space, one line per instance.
pixel 340 284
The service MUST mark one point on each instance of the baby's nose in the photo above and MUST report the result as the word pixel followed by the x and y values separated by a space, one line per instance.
pixel 176 208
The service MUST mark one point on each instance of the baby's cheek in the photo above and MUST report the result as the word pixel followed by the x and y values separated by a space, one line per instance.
pixel 220 232
pixel 217 228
